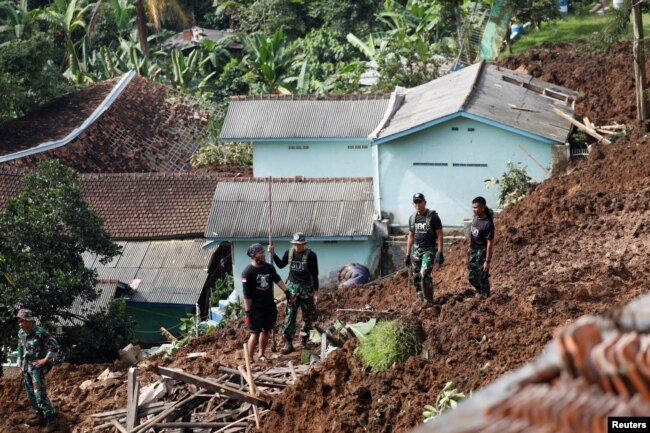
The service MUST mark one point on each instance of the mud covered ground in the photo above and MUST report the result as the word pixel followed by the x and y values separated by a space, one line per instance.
pixel 577 245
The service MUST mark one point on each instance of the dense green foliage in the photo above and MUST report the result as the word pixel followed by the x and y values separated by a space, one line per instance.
pixel 100 337
pixel 43 232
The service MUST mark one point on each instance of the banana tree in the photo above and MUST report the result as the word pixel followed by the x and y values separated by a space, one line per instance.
pixel 67 18
pixel 18 18
pixel 189 72
pixel 270 61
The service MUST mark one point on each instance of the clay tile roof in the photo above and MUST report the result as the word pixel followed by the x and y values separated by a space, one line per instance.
pixel 145 127
pixel 141 205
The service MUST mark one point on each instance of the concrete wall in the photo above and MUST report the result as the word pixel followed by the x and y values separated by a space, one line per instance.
pixel 324 158
pixel 151 317
pixel 450 189
pixel 332 256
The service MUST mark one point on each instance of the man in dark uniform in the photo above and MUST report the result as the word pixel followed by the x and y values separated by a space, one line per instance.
pixel 36 350
pixel 302 286
pixel 423 246
pixel 480 254
pixel 261 313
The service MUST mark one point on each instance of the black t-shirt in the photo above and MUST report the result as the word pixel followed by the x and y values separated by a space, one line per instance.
pixel 258 284
pixel 425 236
pixel 482 231
pixel 298 274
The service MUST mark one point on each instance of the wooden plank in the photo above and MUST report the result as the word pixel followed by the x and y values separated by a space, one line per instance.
pixel 582 127
pixel 639 62
pixel 199 424
pixel 119 427
pixel 588 123
pixel 143 411
pixel 213 386
pixel 161 416
pixel 133 389
pixel 251 384
pixel 293 372
pixel 515 107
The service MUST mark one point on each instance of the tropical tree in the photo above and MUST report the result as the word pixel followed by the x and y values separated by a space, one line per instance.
pixel 155 12
pixel 270 61
pixel 68 17
pixel 18 20
pixel 28 75
pixel 44 231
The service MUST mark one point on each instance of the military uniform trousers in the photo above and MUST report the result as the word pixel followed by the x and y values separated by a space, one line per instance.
pixel 476 275
pixel 304 300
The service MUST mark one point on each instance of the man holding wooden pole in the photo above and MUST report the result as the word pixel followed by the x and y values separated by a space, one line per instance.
pixel 259 303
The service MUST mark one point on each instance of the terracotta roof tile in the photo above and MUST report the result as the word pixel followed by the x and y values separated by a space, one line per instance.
pixel 141 205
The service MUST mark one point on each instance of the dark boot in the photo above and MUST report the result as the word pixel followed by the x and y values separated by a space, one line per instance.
pixel 51 424
pixel 288 348
pixel 303 341
pixel 36 420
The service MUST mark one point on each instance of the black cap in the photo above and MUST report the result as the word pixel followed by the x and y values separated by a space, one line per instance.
pixel 418 196
pixel 254 249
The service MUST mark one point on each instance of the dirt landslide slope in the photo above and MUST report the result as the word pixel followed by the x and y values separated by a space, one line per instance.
pixel 577 245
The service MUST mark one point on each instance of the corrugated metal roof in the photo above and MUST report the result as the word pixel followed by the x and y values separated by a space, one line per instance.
pixel 487 91
pixel 324 208
pixel 432 100
pixel 168 271
pixel 303 117
pixel 85 308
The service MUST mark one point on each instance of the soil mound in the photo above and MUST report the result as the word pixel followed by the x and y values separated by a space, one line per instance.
pixel 604 79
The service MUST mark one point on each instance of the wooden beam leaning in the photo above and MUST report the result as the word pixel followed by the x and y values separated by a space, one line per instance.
pixel 581 126
pixel 213 386
pixel 133 390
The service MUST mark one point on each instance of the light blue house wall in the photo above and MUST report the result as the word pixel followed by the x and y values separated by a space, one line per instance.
pixel 332 256
pixel 314 158
pixel 449 189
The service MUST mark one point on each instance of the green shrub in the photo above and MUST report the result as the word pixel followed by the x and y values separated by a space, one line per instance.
pixel 389 343
pixel 513 185
pixel 100 338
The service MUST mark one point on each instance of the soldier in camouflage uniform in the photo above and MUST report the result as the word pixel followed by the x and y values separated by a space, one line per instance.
pixel 302 285
pixel 36 350
pixel 423 246
pixel 480 254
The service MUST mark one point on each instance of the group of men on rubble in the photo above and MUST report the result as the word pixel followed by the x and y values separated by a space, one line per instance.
pixel 424 248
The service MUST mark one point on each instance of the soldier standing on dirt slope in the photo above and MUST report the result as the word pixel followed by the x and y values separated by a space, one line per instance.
pixel 303 286
pixel 259 303
pixel 423 246
pixel 36 350
pixel 480 253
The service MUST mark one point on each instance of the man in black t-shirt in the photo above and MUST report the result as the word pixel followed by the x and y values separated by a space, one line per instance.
pixel 480 254
pixel 302 286
pixel 423 246
pixel 261 312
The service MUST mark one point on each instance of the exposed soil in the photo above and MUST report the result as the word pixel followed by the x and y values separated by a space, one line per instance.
pixel 577 245
pixel 604 80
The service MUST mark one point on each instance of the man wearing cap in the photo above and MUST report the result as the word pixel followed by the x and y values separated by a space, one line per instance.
pixel 423 246
pixel 36 350
pixel 302 286
pixel 261 313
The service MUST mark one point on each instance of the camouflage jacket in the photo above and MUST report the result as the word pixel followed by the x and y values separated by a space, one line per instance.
pixel 36 344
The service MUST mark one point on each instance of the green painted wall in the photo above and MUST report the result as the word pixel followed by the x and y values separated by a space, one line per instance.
pixel 150 317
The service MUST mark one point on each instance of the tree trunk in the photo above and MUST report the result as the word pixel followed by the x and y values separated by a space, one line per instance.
pixel 141 23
